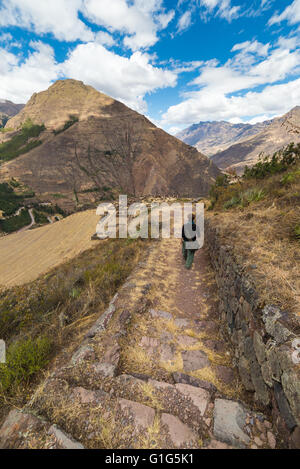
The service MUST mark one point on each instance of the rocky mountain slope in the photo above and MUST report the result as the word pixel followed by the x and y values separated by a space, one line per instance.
pixel 279 133
pixel 237 145
pixel 96 145
pixel 212 137
pixel 8 109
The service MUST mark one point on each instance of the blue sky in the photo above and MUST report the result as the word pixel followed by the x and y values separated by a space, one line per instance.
pixel 177 62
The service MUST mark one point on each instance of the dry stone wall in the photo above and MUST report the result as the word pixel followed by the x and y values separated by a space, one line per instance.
pixel 265 340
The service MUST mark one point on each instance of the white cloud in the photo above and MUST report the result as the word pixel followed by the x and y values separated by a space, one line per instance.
pixel 222 8
pixel 5 37
pixel 173 130
pixel 125 79
pixel 235 120
pixel 140 20
pixel 290 14
pixel 225 90
pixel 184 21
pixel 263 118
pixel 20 79
pixel 59 17
pixel 104 38
pixel 211 8
pixel 254 47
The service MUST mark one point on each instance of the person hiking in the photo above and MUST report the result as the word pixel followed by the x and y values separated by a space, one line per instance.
pixel 189 235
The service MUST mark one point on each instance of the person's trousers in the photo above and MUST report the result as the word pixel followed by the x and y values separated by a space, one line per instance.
pixel 188 256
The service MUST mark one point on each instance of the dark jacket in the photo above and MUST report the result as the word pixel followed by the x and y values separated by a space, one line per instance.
pixel 190 231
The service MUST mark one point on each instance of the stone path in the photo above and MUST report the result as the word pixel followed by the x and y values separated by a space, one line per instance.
pixel 153 372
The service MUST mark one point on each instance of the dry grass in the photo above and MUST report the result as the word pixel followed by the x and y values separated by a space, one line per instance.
pixel 176 364
pixel 262 235
pixel 109 436
pixel 148 392
pixel 235 391
pixel 260 242
pixel 151 439
pixel 79 291
pixel 27 255
pixel 135 360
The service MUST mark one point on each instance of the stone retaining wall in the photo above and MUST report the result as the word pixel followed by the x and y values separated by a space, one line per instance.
pixel 264 337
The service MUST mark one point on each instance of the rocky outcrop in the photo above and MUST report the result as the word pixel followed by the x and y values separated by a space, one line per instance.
pixel 266 340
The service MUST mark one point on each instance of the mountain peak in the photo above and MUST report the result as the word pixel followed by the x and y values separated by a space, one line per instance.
pixel 108 148
pixel 61 100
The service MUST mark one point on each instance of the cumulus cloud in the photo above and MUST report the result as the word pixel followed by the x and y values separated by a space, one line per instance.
pixel 125 79
pixel 225 91
pixel 291 14
pixel 59 17
pixel 139 20
pixel 104 38
pixel 19 79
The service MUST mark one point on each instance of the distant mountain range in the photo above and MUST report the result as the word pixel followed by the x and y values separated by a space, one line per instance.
pixel 8 109
pixel 237 145
pixel 216 136
pixel 92 146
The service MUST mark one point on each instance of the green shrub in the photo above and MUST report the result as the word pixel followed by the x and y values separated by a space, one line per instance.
pixel 57 195
pixel 40 218
pixel 222 180
pixel 9 201
pixel 279 162
pixel 244 198
pixel 9 225
pixel 233 202
pixel 290 178
pixel 18 145
pixel 24 359
pixel 72 120
pixel 253 195
pixel 297 232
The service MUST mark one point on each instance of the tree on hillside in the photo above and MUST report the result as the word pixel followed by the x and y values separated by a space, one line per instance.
pixel 117 161
pixel 125 147
pixel 72 178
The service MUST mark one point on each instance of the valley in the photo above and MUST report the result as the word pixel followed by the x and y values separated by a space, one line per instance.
pixel 234 146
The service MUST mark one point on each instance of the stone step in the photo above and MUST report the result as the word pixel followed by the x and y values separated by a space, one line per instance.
pixel 23 430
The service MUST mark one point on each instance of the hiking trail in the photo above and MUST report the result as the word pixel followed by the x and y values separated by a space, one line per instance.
pixel 154 371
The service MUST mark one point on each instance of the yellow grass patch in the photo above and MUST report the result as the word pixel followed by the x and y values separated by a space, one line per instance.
pixel 151 439
pixel 149 391
pixel 27 255
pixel 173 365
